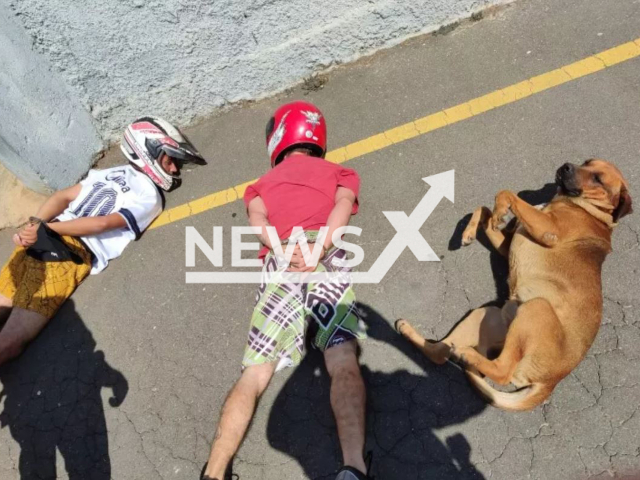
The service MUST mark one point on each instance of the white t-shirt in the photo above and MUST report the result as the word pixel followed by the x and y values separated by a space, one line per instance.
pixel 121 190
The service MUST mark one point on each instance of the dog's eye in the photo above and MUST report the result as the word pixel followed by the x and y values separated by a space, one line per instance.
pixel 597 178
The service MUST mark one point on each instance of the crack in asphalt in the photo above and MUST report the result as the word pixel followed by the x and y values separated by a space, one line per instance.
pixel 410 422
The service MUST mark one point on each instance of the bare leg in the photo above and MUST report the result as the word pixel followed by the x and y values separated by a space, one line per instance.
pixel 22 326
pixel 348 396
pixel 236 416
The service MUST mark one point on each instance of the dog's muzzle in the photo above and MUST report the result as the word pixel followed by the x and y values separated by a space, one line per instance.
pixel 566 180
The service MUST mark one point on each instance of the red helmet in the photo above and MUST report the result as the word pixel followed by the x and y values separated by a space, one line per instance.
pixel 296 125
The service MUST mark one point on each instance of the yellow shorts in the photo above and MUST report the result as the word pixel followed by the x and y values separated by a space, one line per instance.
pixel 43 287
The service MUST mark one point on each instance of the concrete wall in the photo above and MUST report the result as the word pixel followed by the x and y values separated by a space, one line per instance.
pixel 184 59
pixel 47 138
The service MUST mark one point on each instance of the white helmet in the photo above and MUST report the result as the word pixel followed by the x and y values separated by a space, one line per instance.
pixel 144 141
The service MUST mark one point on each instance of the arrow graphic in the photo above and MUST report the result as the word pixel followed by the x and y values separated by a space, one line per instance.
pixel 408 229
pixel 407 235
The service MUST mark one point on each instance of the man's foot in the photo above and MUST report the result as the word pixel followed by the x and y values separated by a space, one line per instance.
pixel 350 473
pixel 227 476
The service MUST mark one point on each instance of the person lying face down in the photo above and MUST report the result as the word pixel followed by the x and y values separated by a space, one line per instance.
pixel 301 190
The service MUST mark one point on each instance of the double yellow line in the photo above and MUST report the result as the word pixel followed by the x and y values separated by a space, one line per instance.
pixel 449 116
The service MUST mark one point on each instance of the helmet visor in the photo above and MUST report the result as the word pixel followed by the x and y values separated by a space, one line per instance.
pixel 156 146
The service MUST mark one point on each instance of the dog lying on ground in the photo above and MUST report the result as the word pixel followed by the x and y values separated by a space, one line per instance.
pixel 555 306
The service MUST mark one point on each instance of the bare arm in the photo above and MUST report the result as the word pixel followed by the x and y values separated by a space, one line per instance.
pixel 258 217
pixel 58 202
pixel 54 206
pixel 339 217
pixel 89 225
pixel 341 213
pixel 51 208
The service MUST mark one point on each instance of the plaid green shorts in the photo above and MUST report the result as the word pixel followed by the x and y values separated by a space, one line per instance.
pixel 286 312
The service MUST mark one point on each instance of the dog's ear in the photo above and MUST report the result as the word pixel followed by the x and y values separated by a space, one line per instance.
pixel 624 205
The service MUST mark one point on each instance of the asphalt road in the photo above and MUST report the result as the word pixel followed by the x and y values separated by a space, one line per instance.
pixel 127 380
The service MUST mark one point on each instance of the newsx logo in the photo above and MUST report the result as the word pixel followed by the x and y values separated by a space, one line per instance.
pixel 407 236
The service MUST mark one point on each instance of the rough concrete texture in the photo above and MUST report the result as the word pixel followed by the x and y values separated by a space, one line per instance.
pixel 127 380
pixel 186 58
pixel 47 138
pixel 17 202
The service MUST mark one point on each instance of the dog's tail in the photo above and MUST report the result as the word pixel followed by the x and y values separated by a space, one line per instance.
pixel 526 398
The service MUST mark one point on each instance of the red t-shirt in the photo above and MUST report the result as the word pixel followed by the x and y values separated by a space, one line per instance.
pixel 300 192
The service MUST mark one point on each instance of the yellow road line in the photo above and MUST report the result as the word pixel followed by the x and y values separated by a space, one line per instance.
pixel 449 116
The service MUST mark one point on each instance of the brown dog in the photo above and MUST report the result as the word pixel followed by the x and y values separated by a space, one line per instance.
pixel 555 306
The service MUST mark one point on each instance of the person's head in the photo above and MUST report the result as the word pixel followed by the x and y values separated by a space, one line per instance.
pixel 158 149
pixel 296 127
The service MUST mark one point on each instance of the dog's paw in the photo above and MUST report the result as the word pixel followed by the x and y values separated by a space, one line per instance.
pixel 501 210
pixel 400 324
pixel 501 213
pixel 469 234
pixel 464 356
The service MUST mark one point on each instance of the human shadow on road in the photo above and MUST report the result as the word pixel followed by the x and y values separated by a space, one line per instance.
pixel 404 410
pixel 52 401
